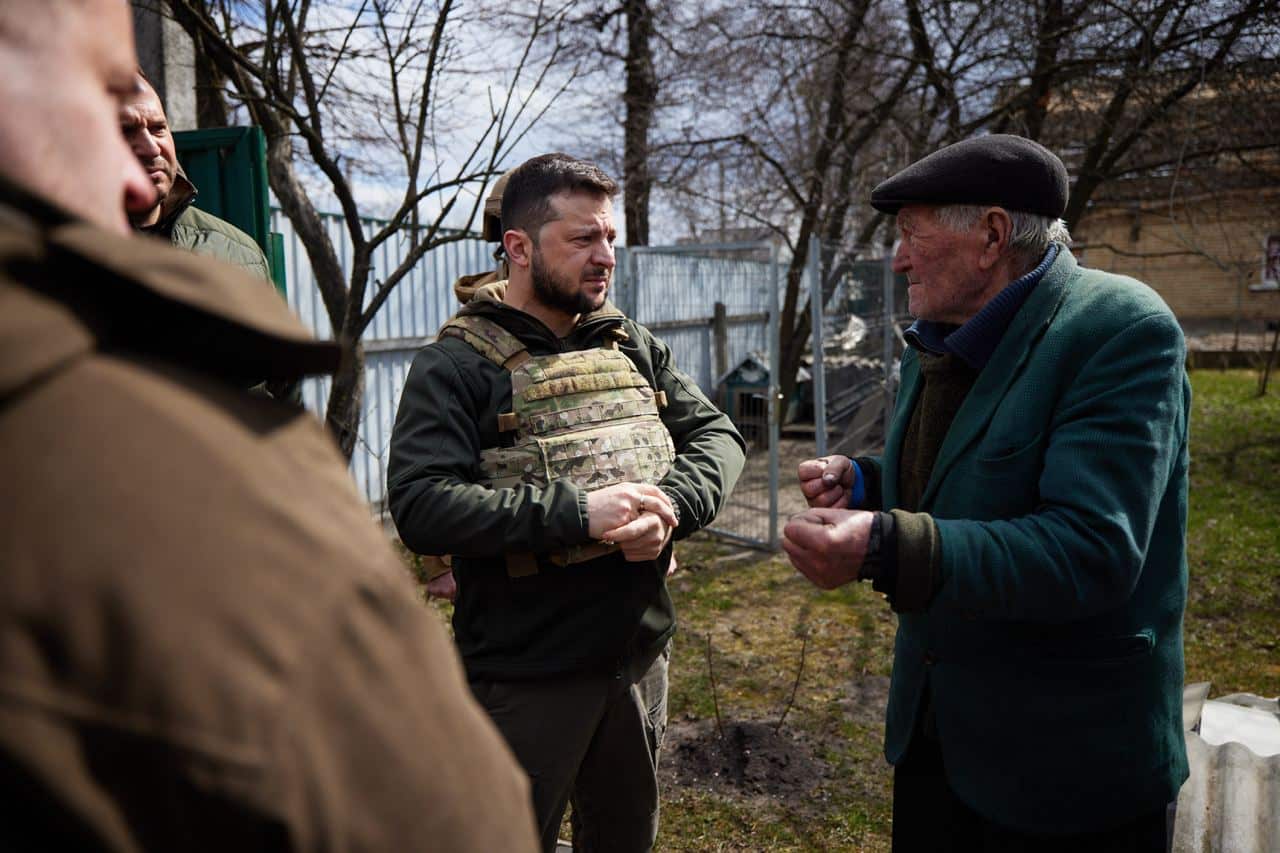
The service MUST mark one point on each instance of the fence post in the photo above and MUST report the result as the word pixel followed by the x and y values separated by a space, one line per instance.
pixel 776 407
pixel 720 338
pixel 818 379
pixel 888 337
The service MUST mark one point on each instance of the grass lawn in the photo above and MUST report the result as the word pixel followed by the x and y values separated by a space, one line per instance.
pixel 820 782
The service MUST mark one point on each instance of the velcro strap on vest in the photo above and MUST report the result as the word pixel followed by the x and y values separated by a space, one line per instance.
pixel 524 565
pixel 582 384
pixel 508 422
pixel 660 397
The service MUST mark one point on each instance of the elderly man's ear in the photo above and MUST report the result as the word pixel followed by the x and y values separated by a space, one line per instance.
pixel 997 228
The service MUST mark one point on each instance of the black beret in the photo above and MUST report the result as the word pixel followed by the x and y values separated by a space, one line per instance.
pixel 1000 170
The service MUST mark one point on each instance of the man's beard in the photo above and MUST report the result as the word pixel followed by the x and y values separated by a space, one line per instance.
pixel 559 293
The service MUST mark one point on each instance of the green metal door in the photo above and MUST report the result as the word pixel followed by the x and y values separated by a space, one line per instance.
pixel 228 165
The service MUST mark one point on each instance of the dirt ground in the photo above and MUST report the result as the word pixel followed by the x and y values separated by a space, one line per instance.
pixel 741 757
pixel 745 759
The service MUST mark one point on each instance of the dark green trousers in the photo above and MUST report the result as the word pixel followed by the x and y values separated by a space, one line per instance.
pixel 592 740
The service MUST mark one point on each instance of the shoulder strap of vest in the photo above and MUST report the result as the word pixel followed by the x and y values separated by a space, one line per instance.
pixel 487 338
pixel 617 336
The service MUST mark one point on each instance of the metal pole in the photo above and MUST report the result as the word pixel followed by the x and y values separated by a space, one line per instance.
pixel 819 370
pixel 621 294
pixel 887 312
pixel 632 308
pixel 775 395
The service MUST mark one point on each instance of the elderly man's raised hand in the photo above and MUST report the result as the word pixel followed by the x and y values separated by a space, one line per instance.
pixel 828 545
pixel 826 481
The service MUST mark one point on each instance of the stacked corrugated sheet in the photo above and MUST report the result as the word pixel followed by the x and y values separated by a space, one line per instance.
pixel 1231 803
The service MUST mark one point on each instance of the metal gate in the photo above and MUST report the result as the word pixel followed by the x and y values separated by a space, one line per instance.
pixel 716 307
pixel 856 348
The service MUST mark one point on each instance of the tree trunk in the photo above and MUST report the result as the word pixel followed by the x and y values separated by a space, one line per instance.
pixel 1049 36
pixel 640 97
pixel 345 396
pixel 211 106
pixel 792 328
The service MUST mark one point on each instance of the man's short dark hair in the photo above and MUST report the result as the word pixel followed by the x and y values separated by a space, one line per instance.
pixel 526 201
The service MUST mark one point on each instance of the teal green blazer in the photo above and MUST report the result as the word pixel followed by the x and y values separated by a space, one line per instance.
pixel 1053 648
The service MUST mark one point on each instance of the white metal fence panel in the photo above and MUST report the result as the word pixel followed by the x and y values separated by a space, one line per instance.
pixel 406 322
pixel 671 291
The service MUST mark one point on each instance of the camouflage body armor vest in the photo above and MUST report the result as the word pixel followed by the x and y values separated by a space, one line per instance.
pixel 587 416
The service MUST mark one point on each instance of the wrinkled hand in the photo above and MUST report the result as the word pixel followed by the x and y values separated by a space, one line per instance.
pixel 828 545
pixel 615 507
pixel 443 586
pixel 826 481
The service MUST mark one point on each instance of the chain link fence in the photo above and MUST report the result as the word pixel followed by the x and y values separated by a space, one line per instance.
pixel 716 307
pixel 856 347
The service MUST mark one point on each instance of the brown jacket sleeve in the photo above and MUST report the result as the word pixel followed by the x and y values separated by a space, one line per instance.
pixel 205 642
pixel 387 746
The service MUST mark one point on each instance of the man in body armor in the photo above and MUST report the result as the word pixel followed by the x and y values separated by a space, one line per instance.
pixel 549 445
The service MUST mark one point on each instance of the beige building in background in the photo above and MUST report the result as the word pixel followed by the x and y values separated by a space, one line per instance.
pixel 1205 253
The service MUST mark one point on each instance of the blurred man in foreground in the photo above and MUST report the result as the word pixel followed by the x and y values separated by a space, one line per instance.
pixel 1027 520
pixel 205 644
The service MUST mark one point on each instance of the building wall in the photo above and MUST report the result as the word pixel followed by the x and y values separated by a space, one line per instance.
pixel 1202 254
pixel 167 56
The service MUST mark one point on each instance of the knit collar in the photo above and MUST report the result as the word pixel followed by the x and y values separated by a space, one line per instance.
pixel 977 338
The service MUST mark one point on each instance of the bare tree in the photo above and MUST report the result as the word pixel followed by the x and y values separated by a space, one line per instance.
pixel 1098 83
pixel 375 89
pixel 619 105
pixel 807 94
pixel 859 88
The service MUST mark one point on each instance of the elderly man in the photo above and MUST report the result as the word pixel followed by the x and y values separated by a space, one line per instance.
pixel 205 644
pixel 172 214
pixel 1026 520
pixel 549 444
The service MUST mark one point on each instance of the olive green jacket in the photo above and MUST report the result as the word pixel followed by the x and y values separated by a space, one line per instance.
pixel 603 615
pixel 1052 649
pixel 188 227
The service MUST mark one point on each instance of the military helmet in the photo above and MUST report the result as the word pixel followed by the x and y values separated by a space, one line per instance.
pixel 492 227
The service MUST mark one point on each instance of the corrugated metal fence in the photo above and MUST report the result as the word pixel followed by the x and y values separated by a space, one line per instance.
pixel 671 291
pixel 716 306
pixel 409 320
